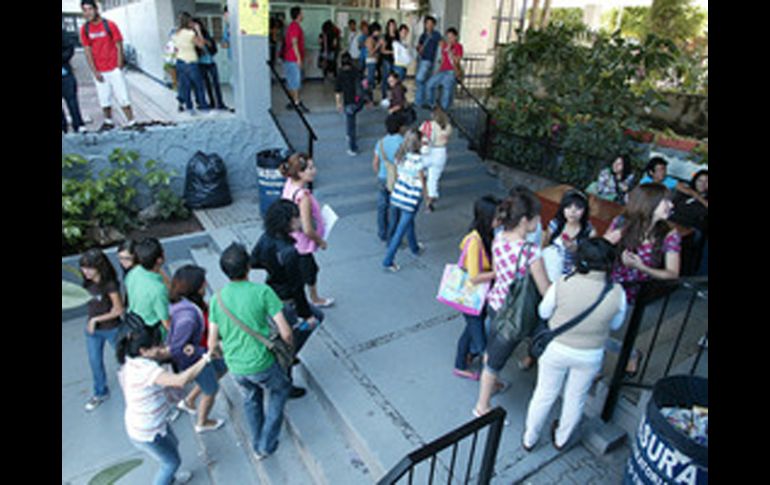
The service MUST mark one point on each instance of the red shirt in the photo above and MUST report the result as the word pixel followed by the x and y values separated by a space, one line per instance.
pixel 446 62
pixel 294 32
pixel 103 48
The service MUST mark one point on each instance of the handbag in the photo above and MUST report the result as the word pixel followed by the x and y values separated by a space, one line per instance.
pixel 543 335
pixel 518 316
pixel 458 292
pixel 283 352
pixel 390 169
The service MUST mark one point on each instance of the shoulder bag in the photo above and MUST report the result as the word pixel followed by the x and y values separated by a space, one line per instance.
pixel 390 168
pixel 283 352
pixel 544 335
pixel 458 292
pixel 518 316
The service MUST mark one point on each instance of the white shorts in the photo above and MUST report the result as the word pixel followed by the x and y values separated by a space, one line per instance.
pixel 114 84
pixel 436 161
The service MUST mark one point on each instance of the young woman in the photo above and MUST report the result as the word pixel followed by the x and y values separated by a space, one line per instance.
pixel 401 55
pixel 104 312
pixel 188 326
pixel 436 133
pixel 143 381
pixel 405 198
pixel 576 355
pixel 565 231
pixel 187 37
pixel 300 171
pixel 386 51
pixel 649 247
pixel 616 180
pixel 397 93
pixel 478 243
pixel 519 215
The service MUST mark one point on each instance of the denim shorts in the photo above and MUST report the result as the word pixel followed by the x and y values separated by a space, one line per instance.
pixel 308 269
pixel 293 75
pixel 207 379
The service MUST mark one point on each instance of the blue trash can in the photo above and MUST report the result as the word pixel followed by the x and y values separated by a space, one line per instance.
pixel 662 453
pixel 269 178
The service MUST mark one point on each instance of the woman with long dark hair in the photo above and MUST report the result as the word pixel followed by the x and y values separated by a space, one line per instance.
pixel 478 246
pixel 104 312
pixel 616 180
pixel 565 231
pixel 188 326
pixel 143 381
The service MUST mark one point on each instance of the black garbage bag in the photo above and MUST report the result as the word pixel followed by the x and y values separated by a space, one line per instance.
pixel 205 184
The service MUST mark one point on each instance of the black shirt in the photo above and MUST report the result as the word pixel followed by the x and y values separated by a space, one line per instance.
pixel 347 83
pixel 281 260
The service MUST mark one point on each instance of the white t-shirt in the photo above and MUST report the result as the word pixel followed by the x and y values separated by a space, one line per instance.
pixel 401 55
pixel 355 53
pixel 146 402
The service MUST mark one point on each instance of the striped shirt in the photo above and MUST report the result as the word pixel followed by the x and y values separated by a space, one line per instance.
pixel 146 402
pixel 408 190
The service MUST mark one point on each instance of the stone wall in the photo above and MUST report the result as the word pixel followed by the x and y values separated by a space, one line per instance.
pixel 235 140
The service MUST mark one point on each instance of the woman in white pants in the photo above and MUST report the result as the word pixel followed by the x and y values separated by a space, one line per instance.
pixel 575 355
pixel 436 133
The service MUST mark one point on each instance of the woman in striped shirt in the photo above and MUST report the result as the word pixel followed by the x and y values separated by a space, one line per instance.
pixel 143 381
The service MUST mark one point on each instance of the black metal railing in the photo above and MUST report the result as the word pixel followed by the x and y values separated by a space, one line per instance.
pixel 683 314
pixel 493 420
pixel 295 137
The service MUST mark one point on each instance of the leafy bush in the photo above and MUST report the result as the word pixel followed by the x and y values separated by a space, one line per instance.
pixel 110 199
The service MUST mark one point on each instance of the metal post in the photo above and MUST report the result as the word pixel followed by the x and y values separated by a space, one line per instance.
pixel 490 450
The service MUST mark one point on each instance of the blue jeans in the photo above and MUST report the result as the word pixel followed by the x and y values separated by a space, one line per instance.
pixel 383 208
pixel 95 349
pixel 165 450
pixel 351 110
pixel 387 66
pixel 371 79
pixel 424 71
pixel 404 227
pixel 401 71
pixel 473 339
pixel 265 428
pixel 69 91
pixel 445 79
pixel 189 79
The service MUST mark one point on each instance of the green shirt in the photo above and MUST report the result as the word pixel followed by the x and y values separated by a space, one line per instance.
pixel 147 295
pixel 251 303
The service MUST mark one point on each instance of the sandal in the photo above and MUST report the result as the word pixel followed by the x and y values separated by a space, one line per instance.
pixel 327 302
pixel 466 374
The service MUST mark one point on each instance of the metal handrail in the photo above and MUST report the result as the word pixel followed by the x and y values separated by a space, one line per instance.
pixel 311 133
pixel 494 419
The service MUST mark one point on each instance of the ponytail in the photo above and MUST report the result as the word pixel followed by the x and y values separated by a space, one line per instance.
pixel 129 343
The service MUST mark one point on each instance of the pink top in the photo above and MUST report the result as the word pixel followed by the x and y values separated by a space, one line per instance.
pixel 504 257
pixel 623 274
pixel 295 192
pixel 294 31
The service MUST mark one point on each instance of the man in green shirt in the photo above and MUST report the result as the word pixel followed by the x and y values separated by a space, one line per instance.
pixel 250 362
pixel 146 290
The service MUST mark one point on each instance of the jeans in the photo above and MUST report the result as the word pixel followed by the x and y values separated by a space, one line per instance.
pixel 189 79
pixel 69 91
pixel 447 81
pixel 472 341
pixel 210 76
pixel 404 226
pixel 387 66
pixel 424 70
pixel 371 79
pixel 300 334
pixel 264 429
pixel 401 71
pixel 165 450
pixel 351 110
pixel 553 368
pixel 95 349
pixel 383 208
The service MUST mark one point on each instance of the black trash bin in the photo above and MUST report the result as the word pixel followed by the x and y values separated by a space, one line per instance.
pixel 269 178
pixel 205 184
pixel 661 452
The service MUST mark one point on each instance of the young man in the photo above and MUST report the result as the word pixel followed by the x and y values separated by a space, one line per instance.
pixel 451 53
pixel 384 153
pixel 657 171
pixel 346 89
pixel 427 45
pixel 294 55
pixel 250 362
pixel 103 46
pixel 353 40
pixel 147 292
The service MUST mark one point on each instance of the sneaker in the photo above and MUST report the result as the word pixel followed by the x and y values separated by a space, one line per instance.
pixel 218 423
pixel 420 249
pixel 95 402
pixel 182 406
pixel 297 392
pixel 183 476
pixel 260 456
pixel 352 153
pixel 392 268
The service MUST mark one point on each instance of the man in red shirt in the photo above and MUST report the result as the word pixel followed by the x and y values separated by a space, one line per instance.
pixel 103 45
pixel 451 53
pixel 293 55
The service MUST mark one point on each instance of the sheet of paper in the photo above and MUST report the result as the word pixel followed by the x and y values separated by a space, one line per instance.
pixel 330 218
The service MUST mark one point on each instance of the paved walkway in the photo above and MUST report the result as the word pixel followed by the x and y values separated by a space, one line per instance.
pixel 382 359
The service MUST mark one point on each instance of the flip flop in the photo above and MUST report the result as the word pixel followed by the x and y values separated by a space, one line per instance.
pixel 466 374
pixel 326 304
